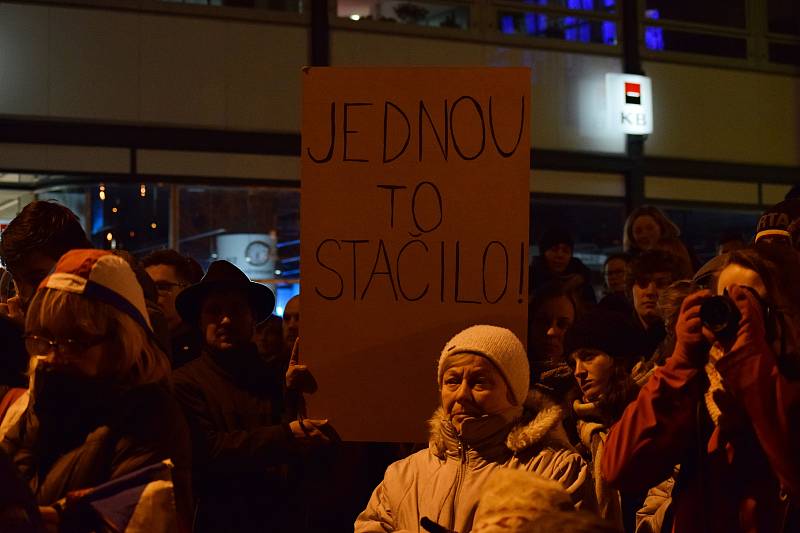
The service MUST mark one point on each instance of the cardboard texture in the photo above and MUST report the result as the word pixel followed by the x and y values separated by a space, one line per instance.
pixel 414 226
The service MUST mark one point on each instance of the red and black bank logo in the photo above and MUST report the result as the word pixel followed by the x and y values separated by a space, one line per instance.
pixel 633 93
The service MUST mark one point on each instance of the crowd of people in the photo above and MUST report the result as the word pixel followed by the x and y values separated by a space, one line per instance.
pixel 151 395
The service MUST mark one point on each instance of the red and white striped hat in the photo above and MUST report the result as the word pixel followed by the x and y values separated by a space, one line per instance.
pixel 103 276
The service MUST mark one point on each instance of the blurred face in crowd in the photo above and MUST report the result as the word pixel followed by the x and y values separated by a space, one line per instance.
pixel 593 370
pixel 168 285
pixel 646 232
pixel 551 322
pixel 291 322
pixel 268 337
pixel 645 296
pixel 472 387
pixel 557 257
pixel 226 320
pixel 28 274
pixel 614 273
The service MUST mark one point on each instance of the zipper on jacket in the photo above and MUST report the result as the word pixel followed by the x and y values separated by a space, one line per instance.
pixel 462 467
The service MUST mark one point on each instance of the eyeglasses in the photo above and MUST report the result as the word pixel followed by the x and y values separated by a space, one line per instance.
pixel 69 348
pixel 166 286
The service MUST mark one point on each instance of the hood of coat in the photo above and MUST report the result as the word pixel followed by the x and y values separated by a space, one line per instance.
pixel 539 426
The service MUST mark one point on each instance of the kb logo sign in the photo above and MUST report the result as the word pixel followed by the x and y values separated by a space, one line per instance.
pixel 629 99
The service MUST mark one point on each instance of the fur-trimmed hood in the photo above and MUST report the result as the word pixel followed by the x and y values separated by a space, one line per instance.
pixel 539 425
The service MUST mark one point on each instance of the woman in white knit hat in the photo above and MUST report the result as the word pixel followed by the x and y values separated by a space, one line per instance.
pixel 487 420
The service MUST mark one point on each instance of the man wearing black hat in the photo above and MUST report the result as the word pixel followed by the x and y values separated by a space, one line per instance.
pixel 234 404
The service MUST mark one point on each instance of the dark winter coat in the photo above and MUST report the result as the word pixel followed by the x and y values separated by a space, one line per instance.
pixel 145 427
pixel 233 402
pixel 738 475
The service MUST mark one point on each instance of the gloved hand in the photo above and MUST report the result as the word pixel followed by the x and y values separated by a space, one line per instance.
pixel 693 340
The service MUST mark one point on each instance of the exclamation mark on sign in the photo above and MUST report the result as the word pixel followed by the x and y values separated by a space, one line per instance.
pixel 521 272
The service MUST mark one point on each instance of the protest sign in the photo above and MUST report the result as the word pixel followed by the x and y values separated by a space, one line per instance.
pixel 414 226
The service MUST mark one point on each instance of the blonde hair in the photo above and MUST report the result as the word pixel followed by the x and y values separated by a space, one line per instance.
pixel 135 359
pixel 669 230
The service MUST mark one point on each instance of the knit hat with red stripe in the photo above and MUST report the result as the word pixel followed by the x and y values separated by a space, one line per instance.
pixel 100 275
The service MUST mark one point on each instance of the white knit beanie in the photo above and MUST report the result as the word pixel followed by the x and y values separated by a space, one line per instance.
pixel 501 347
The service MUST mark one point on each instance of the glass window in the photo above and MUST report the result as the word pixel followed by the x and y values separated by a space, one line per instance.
pixel 783 16
pixel 701 228
pixel 435 15
pixel 694 43
pixel 132 217
pixel 258 229
pixel 716 12
pixel 295 6
pixel 787 54
pixel 603 6
pixel 563 27
pixel 596 227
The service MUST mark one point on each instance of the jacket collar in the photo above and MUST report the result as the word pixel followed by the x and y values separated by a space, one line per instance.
pixel 539 425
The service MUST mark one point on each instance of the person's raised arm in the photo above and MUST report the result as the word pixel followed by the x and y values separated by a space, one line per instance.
pixel 751 374
pixel 651 437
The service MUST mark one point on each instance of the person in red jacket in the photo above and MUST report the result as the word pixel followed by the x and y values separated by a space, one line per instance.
pixel 725 409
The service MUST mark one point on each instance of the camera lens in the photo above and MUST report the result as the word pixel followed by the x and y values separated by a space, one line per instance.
pixel 720 315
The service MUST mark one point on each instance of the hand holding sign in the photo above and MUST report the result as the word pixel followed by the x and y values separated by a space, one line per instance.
pixel 312 432
pixel 298 377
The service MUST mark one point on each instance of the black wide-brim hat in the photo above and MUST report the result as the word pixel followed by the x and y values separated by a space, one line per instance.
pixel 224 276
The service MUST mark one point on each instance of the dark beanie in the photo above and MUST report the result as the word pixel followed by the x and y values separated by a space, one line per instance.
pixel 782 219
pixel 607 331
pixel 553 237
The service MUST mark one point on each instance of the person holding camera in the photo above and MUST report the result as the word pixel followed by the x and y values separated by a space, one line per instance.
pixel 723 406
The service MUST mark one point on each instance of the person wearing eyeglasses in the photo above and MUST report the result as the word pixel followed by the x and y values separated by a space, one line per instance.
pixel 172 272
pixel 101 405
pixel 646 276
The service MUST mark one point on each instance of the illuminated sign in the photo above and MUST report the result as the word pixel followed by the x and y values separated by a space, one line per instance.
pixel 629 101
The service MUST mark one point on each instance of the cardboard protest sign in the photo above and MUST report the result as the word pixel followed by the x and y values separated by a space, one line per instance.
pixel 414 226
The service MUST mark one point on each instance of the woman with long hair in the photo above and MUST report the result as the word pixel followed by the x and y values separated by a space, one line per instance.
pixel 599 344
pixel 644 227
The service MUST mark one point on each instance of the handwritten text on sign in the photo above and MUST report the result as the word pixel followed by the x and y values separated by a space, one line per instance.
pixel 414 214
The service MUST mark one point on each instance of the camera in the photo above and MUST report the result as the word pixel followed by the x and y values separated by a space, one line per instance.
pixel 720 315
